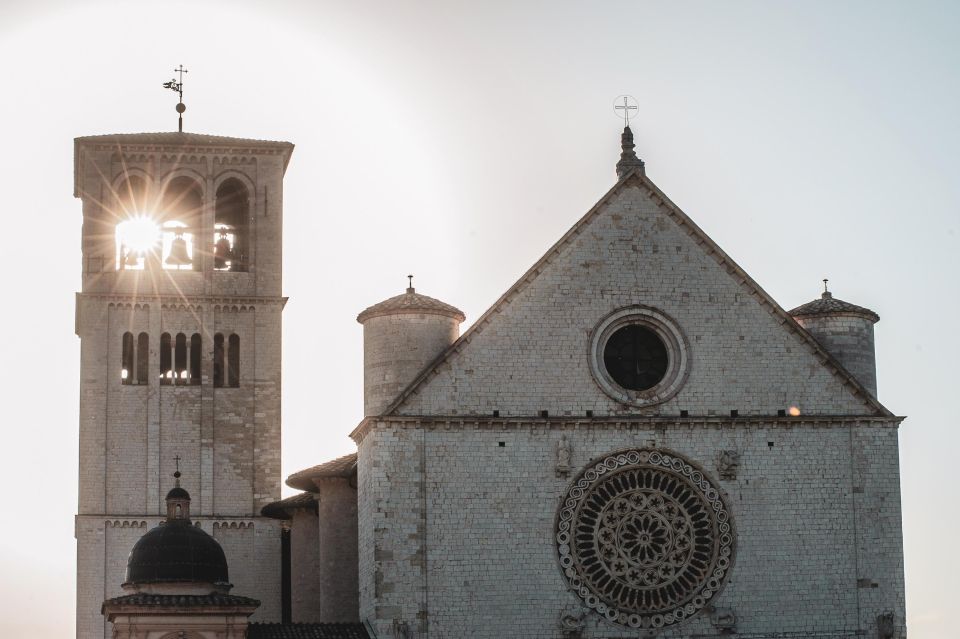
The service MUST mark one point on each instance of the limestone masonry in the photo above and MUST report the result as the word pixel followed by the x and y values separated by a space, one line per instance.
pixel 635 440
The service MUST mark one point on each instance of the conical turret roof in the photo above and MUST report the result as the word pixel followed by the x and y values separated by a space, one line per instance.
pixel 827 304
pixel 414 303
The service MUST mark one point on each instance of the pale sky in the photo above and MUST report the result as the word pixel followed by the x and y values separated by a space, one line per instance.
pixel 458 141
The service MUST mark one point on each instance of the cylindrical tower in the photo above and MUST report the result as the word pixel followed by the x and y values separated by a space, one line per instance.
pixel 401 336
pixel 846 331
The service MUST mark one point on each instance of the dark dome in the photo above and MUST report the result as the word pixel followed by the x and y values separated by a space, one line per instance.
pixel 178 493
pixel 177 551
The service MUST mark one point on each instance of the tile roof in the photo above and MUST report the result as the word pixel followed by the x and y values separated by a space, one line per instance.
pixel 306 631
pixel 340 467
pixel 281 509
pixel 217 600
pixel 411 302
pixel 827 304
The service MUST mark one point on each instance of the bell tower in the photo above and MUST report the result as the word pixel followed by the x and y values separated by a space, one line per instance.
pixel 179 318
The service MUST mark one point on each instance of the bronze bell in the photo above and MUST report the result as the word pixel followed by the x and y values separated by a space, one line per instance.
pixel 222 253
pixel 178 252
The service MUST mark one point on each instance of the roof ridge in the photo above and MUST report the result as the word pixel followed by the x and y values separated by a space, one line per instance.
pixel 638 177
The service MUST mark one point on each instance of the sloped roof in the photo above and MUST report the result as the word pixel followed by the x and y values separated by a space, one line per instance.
pixel 827 304
pixel 411 302
pixel 340 467
pixel 282 509
pixel 637 177
pixel 217 600
pixel 306 631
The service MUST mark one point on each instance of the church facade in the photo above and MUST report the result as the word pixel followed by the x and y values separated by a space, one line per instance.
pixel 634 440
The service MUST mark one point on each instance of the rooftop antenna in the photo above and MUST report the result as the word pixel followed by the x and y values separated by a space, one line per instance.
pixel 625 103
pixel 178 87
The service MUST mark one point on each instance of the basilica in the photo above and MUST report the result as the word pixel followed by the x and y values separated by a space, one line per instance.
pixel 634 440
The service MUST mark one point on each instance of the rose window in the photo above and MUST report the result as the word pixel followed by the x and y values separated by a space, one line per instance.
pixel 645 538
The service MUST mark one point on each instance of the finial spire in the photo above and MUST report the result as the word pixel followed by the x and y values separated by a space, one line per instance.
pixel 629 161
pixel 826 291
pixel 628 158
pixel 178 87
pixel 177 474
pixel 410 288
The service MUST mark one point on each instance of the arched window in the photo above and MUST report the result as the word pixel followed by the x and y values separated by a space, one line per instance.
pixel 180 213
pixel 126 359
pixel 196 355
pixel 143 357
pixel 180 359
pixel 136 235
pixel 166 361
pixel 233 370
pixel 231 241
pixel 218 360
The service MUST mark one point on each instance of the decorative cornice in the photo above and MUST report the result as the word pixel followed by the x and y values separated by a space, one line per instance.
pixel 184 300
pixel 621 422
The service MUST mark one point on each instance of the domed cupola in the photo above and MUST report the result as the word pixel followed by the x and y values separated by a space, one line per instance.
pixel 401 335
pixel 845 330
pixel 177 555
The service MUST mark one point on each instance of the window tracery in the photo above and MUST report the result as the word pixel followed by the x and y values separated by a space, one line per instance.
pixel 645 538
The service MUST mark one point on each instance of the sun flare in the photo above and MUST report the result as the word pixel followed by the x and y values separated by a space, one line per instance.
pixel 138 234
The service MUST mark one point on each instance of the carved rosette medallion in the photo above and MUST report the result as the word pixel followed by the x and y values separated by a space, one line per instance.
pixel 645 538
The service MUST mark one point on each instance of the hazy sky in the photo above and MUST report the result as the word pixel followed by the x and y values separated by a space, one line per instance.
pixel 457 141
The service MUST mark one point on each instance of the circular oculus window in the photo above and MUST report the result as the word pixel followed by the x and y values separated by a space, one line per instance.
pixel 639 356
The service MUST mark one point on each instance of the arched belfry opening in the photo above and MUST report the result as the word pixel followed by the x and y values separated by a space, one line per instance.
pixel 180 210
pixel 135 232
pixel 231 230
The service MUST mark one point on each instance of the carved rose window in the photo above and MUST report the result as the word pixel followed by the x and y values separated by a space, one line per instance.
pixel 645 538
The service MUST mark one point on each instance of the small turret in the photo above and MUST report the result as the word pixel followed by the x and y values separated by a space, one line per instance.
pixel 845 330
pixel 401 336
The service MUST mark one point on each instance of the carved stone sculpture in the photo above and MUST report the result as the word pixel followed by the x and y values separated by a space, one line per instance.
pixel 728 461
pixel 563 456
pixel 885 626
pixel 724 620
pixel 571 622
pixel 401 629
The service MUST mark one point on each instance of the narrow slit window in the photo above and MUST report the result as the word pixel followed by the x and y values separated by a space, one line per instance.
pixel 196 353
pixel 126 363
pixel 143 357
pixel 166 365
pixel 180 359
pixel 218 360
pixel 234 359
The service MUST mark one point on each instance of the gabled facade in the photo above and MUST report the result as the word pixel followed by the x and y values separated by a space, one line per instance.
pixel 634 440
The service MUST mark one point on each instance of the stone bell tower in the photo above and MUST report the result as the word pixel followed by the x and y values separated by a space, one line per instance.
pixel 179 318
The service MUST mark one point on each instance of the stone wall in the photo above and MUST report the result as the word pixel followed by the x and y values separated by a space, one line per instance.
pixel 304 567
pixel 849 338
pixel 337 549
pixel 457 523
